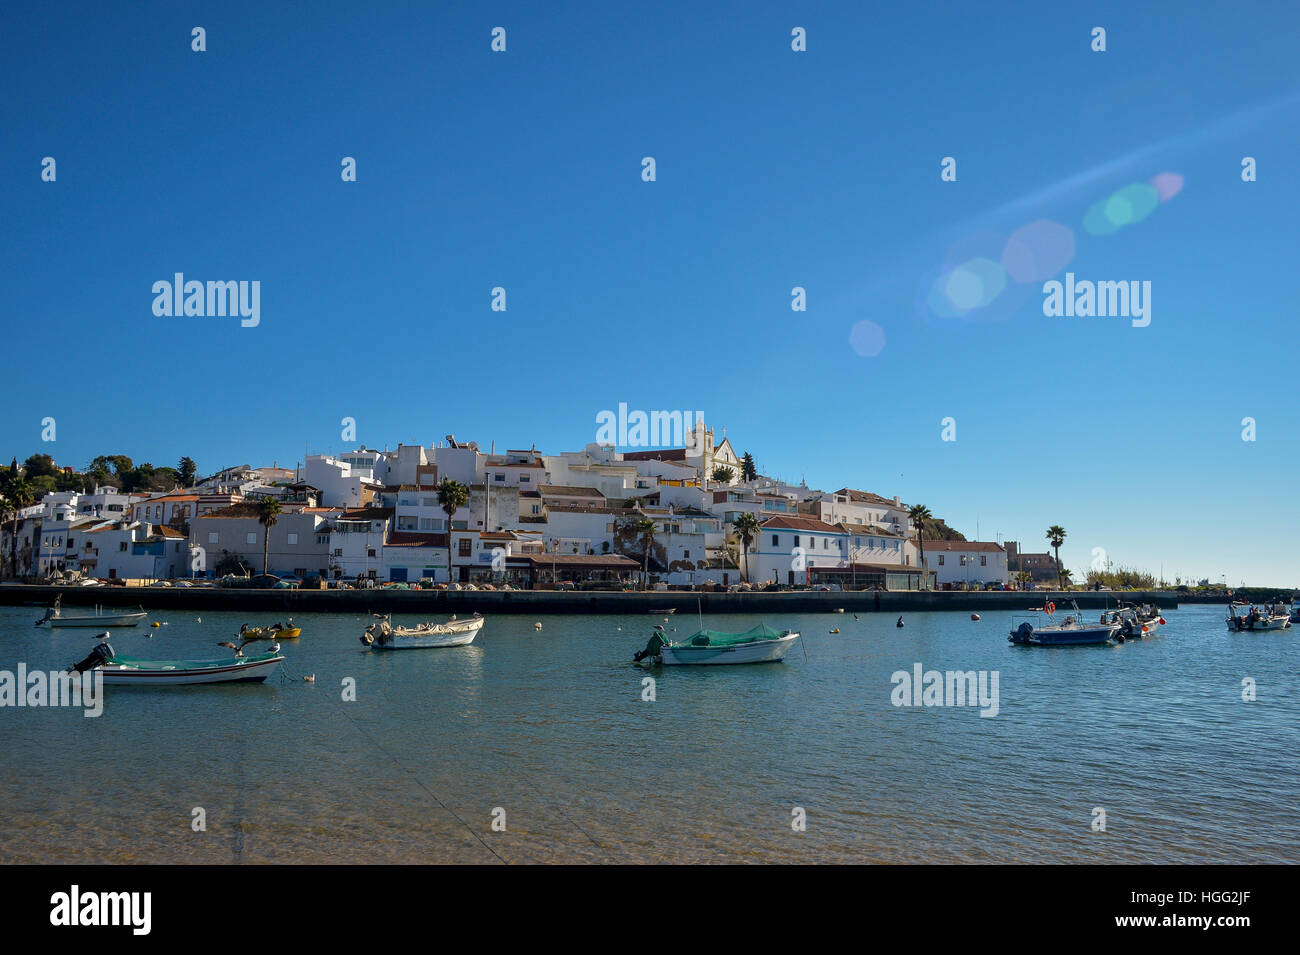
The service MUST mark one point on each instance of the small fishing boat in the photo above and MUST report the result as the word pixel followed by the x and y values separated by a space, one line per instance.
pixel 129 671
pixel 1242 618
pixel 455 633
pixel 661 613
pixel 759 644
pixel 55 617
pixel 1139 620
pixel 276 631
pixel 1070 632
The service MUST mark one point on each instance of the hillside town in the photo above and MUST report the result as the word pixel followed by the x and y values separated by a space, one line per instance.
pixel 698 516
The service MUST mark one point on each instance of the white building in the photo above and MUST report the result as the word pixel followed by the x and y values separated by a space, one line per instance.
pixel 966 563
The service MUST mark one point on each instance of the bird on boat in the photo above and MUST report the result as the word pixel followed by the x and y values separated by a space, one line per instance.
pixel 250 637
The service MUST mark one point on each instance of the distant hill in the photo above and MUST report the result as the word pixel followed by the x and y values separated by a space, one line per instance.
pixel 936 530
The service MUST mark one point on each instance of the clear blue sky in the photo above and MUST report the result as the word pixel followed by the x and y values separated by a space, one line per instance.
pixel 775 169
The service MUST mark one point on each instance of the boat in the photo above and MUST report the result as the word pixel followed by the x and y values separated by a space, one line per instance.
pixel 455 633
pixel 660 613
pixel 129 671
pixel 1071 631
pixel 55 617
pixel 1242 617
pixel 276 631
pixel 1139 620
pixel 760 644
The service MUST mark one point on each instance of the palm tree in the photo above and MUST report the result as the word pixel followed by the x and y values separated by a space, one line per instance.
pixel 645 531
pixel 918 514
pixel 452 496
pixel 17 495
pixel 268 513
pixel 747 529
pixel 1056 537
pixel 1064 578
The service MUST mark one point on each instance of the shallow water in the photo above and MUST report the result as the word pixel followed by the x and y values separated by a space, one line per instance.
pixel 551 727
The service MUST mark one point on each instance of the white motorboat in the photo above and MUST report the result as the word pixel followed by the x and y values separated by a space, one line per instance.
pixel 128 671
pixel 759 644
pixel 454 633
pixel 55 617
pixel 1242 617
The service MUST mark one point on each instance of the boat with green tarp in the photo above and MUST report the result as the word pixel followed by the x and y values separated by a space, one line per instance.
pixel 760 644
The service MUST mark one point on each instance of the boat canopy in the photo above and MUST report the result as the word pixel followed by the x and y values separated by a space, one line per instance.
pixel 719 638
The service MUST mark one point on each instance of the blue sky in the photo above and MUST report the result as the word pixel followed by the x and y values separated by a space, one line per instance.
pixel 774 169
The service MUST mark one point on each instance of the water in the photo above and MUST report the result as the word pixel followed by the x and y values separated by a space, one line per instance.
pixel 550 727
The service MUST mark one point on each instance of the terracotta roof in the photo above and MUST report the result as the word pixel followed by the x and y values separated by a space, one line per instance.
pixel 569 490
pixel 665 454
pixel 366 514
pixel 865 497
pixel 411 539
pixel 873 529
pixel 170 533
pixel 800 524
pixel 932 546
pixel 575 560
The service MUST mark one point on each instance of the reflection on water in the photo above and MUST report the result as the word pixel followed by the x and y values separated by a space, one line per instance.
pixel 550 727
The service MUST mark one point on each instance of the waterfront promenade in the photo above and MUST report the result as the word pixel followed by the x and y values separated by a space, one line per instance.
pixel 435 602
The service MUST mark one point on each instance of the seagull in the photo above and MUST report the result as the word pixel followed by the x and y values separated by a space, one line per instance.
pixel 537 625
pixel 198 619
pixel 309 678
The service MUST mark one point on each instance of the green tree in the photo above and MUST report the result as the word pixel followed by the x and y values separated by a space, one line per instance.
pixel 1056 537
pixel 39 465
pixel 919 514
pixel 1065 577
pixel 747 529
pixel 722 474
pixel 17 495
pixel 748 470
pixel 187 471
pixel 645 531
pixel 452 496
pixel 268 513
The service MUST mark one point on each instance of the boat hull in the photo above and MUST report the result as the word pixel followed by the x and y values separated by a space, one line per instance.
pixel 121 672
pixel 758 651
pixel 97 620
pixel 458 634
pixel 1072 637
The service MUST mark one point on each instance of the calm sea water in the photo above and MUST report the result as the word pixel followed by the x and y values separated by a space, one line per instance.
pixel 551 727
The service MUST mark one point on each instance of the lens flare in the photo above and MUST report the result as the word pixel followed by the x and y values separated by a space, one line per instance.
pixel 1038 251
pixel 867 338
pixel 975 283
pixel 1167 185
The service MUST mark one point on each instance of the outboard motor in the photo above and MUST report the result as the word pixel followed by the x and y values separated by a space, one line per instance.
pixel 651 648
pixel 1024 632
pixel 368 637
pixel 100 655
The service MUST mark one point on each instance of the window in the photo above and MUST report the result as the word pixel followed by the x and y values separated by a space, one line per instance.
pixel 251 537
pixel 776 540
pixel 429 501
pixel 122 546
pixel 322 538
pixel 293 538
pixel 984 560
pixel 370 552
pixel 498 478
pixel 524 478
pixel 465 547
pixel 796 540
pixel 686 555
pixel 941 560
